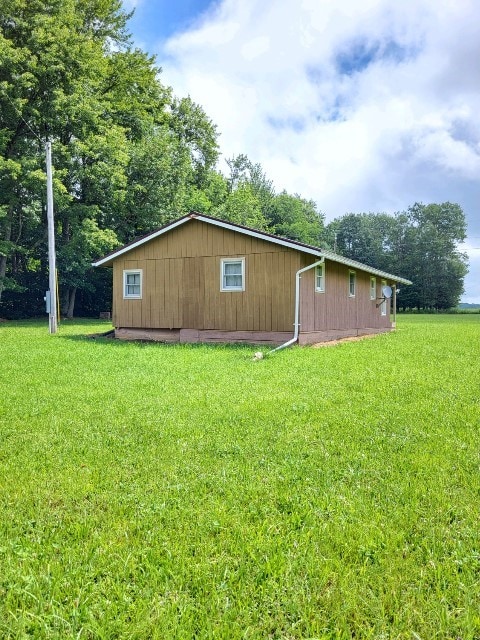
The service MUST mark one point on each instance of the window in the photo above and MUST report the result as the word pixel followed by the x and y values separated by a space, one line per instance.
pixel 383 305
pixel 320 278
pixel 232 274
pixel 352 276
pixel 373 288
pixel 132 283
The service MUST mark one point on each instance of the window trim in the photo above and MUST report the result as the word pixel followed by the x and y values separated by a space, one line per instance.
pixel 373 288
pixel 352 290
pixel 127 272
pixel 223 262
pixel 320 267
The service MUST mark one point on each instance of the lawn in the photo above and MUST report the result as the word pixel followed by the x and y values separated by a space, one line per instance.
pixel 180 492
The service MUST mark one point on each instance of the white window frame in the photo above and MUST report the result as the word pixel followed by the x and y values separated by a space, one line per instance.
pixel 383 304
pixel 352 281
pixel 320 278
pixel 132 296
pixel 373 288
pixel 223 262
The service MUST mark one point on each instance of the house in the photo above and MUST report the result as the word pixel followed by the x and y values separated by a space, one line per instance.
pixel 201 279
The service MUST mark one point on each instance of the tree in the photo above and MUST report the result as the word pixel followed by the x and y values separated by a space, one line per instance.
pixel 128 156
pixel 159 174
pixel 243 207
pixel 74 259
pixel 54 61
pixel 197 133
pixel 296 218
pixel 211 198
pixel 366 237
pixel 419 244
pixel 252 200
pixel 430 257
pixel 244 172
pixel 170 170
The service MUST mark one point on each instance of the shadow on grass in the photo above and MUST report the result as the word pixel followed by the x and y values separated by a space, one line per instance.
pixel 110 340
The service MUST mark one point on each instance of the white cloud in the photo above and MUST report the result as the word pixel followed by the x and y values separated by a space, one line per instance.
pixel 256 47
pixel 367 106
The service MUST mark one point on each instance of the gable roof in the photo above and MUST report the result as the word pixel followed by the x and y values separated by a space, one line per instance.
pixel 262 235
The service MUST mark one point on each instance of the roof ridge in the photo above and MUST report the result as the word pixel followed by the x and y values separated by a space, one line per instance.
pixel 265 235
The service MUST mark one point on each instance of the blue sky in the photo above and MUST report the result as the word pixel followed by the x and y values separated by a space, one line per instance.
pixel 361 106
pixel 156 20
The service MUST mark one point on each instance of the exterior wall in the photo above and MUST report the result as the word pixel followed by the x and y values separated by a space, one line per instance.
pixel 182 301
pixel 269 338
pixel 334 313
pixel 181 283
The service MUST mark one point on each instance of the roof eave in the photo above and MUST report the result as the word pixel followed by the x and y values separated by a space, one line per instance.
pixel 137 243
pixel 363 267
pixel 291 244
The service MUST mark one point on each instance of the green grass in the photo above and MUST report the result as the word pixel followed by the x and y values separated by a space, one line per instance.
pixel 151 491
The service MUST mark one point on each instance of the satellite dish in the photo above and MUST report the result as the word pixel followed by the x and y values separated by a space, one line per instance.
pixel 387 291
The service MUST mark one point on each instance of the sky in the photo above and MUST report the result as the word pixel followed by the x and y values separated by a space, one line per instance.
pixel 360 106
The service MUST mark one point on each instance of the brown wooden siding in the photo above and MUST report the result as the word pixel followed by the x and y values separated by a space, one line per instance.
pixel 335 309
pixel 181 282
pixel 181 287
pixel 197 239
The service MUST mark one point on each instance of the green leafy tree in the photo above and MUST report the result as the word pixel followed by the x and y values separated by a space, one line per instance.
pixel 74 259
pixel 197 133
pixel 243 207
pixel 252 200
pixel 127 154
pixel 420 244
pixel 296 218
pixel 430 256
pixel 170 171
pixel 159 174
pixel 211 198
pixel 366 237
pixel 244 172
pixel 54 61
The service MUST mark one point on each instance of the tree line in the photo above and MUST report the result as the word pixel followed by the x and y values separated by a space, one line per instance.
pixel 420 244
pixel 130 156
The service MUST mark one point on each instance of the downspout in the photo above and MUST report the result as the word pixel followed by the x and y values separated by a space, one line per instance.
pixel 394 324
pixel 297 305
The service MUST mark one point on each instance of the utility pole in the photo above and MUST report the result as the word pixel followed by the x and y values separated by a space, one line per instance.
pixel 52 270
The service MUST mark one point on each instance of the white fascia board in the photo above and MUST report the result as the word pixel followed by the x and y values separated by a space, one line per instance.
pixel 304 249
pixel 363 267
pixel 254 234
pixel 218 223
pixel 134 245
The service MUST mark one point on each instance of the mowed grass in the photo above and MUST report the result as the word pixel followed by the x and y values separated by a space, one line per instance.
pixel 151 491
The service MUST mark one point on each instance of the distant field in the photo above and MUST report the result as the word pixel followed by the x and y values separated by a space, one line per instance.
pixel 180 492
